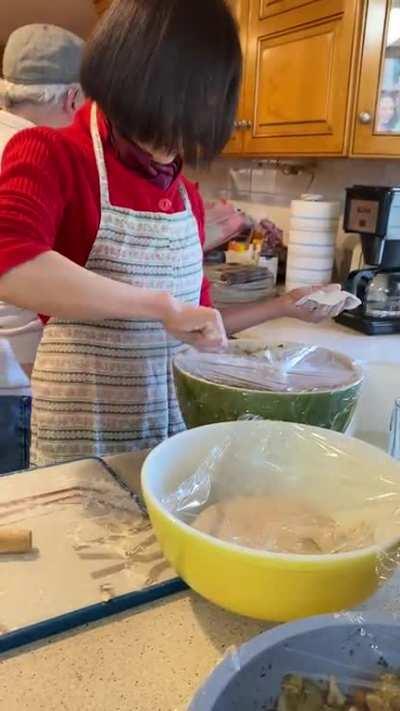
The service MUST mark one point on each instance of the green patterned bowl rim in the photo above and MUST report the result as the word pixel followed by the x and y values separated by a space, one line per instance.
pixel 353 365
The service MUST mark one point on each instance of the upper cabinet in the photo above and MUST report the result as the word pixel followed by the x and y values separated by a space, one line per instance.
pixel 241 11
pixel 376 124
pixel 321 78
pixel 101 5
pixel 298 75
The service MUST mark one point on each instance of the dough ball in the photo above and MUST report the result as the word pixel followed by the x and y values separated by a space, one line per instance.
pixel 276 523
pixel 280 524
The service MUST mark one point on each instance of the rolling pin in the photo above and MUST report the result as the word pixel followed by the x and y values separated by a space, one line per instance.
pixel 15 540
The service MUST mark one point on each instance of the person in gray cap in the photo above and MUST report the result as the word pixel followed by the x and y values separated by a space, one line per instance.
pixel 40 85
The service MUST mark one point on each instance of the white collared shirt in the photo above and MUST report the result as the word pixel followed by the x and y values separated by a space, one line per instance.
pixel 20 327
pixel 10 124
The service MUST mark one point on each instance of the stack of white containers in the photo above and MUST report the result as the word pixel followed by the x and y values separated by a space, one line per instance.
pixel 311 252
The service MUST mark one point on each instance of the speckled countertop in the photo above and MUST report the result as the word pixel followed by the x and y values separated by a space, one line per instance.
pixel 367 349
pixel 154 658
pixel 150 659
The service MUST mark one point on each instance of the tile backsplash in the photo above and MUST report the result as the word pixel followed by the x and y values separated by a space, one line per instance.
pixel 270 186
pixel 266 192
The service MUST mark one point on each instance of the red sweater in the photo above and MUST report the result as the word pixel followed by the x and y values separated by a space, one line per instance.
pixel 50 200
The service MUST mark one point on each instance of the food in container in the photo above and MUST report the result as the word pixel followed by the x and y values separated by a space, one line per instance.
pixel 348 490
pixel 301 693
pixel 317 664
pixel 284 524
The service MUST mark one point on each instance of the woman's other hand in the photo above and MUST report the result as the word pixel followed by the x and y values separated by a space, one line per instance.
pixel 310 312
pixel 198 326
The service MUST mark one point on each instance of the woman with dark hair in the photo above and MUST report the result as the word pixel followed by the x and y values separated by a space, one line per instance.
pixel 100 230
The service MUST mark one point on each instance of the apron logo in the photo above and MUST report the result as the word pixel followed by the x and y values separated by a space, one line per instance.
pixel 165 205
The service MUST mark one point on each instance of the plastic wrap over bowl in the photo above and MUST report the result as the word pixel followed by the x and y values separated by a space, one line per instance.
pixel 289 382
pixel 263 572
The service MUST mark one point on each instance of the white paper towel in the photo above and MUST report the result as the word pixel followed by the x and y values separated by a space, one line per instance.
pixel 308 277
pixel 312 206
pixel 312 237
pixel 321 239
pixel 312 224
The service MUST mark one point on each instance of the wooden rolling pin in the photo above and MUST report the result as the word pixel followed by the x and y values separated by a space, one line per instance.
pixel 15 540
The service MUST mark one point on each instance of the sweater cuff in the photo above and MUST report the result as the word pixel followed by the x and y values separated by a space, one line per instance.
pixel 19 254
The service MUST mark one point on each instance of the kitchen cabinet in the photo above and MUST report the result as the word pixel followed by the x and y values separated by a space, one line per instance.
pixel 321 78
pixel 376 122
pixel 241 12
pixel 101 5
pixel 298 76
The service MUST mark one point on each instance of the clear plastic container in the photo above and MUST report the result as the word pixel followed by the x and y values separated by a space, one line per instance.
pixel 383 296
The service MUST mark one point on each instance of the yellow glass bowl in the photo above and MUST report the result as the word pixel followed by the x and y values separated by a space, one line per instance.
pixel 259 584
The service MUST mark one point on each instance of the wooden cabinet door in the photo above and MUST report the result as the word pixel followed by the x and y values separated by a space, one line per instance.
pixel 241 12
pixel 377 113
pixel 298 76
pixel 269 8
pixel 101 5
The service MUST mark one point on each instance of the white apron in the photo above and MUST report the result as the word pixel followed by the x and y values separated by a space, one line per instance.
pixel 106 387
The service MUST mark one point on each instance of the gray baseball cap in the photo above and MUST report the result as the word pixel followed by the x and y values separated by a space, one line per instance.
pixel 42 54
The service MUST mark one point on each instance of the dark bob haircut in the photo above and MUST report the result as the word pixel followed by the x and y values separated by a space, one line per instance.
pixel 167 73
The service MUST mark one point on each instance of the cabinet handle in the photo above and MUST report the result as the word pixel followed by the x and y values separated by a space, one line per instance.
pixel 364 117
pixel 242 125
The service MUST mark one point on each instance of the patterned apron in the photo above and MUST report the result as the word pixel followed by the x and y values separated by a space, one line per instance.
pixel 106 387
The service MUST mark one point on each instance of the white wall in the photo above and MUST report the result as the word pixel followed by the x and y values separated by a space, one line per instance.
pixel 269 193
pixel 331 178
pixel 76 15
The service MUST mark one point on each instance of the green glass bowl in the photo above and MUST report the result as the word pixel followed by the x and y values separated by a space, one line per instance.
pixel 203 402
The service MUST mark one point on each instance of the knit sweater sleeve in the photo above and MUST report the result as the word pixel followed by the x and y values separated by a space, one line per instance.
pixel 198 211
pixel 33 195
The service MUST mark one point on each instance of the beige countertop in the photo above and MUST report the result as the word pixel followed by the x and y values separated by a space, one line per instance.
pixel 149 659
pixel 152 658
pixel 329 334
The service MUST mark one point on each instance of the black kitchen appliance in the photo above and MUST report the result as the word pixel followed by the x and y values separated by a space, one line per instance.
pixel 374 212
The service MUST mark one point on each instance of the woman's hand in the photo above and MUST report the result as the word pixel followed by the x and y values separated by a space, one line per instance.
pixel 198 326
pixel 312 313
pixel 242 316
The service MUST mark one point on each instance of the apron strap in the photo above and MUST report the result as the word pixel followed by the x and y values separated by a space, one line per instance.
pixel 185 198
pixel 99 155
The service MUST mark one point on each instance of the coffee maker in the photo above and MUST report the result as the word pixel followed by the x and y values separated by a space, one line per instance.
pixel 374 212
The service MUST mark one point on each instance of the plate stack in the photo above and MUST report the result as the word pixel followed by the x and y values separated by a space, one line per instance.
pixel 313 228
pixel 239 284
